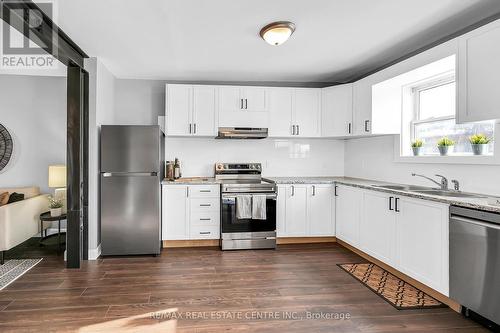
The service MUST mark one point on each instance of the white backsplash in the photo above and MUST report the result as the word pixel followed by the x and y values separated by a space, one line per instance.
pixel 279 157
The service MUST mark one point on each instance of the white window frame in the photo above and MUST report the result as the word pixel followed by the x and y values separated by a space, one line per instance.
pixel 416 90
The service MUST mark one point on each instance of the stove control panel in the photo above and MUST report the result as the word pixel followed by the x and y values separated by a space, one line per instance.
pixel 240 167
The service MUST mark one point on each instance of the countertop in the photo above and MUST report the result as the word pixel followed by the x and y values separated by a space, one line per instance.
pixel 475 203
pixel 191 181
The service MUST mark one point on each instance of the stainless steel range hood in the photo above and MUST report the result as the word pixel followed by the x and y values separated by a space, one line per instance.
pixel 241 133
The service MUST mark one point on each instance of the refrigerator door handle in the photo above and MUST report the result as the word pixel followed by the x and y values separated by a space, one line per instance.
pixel 129 174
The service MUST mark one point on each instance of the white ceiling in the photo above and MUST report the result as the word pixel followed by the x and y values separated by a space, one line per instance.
pixel 218 40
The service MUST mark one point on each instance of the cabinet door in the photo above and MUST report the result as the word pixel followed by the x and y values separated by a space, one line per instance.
pixel 362 108
pixel 296 210
pixel 204 111
pixel 478 79
pixel 175 212
pixel 230 99
pixel 281 210
pixel 336 110
pixel 422 242
pixel 256 99
pixel 178 109
pixel 347 210
pixel 321 210
pixel 280 112
pixel 377 231
pixel 306 112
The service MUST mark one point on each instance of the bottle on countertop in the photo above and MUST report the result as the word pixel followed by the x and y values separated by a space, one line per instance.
pixel 177 169
pixel 169 170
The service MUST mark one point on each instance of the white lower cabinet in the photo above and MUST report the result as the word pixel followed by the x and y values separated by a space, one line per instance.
pixel 377 230
pixel 190 212
pixel 422 242
pixel 348 203
pixel 305 210
pixel 408 234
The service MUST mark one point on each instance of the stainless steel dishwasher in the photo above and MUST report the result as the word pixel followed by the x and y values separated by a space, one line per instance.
pixel 475 261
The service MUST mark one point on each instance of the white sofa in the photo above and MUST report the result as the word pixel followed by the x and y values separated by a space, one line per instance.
pixel 19 221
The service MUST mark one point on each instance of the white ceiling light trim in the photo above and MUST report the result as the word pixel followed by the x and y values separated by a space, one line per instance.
pixel 277 33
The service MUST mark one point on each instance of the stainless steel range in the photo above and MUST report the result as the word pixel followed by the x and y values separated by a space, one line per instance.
pixel 248 204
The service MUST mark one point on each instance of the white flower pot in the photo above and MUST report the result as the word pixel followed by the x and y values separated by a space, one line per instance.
pixel 445 150
pixel 55 212
pixel 416 151
pixel 481 149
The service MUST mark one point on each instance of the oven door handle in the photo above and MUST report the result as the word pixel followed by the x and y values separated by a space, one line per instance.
pixel 234 196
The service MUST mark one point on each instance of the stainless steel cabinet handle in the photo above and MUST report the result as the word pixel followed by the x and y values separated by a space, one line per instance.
pixel 205 205
pixel 187 192
pixel 367 128
pixel 205 191
pixel 205 232
pixel 293 129
pixel 335 191
pixel 390 203
pixel 246 104
pixel 241 103
pixel 194 128
pixel 298 130
pixel 349 128
pixel 314 190
pixel 396 206
pixel 293 191
pixel 190 127
pixel 205 219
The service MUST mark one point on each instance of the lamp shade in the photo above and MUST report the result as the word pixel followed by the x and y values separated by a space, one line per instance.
pixel 57 176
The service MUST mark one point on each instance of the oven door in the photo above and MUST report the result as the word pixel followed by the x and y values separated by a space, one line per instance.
pixel 230 224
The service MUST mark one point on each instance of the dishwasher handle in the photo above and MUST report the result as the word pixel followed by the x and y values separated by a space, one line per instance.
pixel 460 219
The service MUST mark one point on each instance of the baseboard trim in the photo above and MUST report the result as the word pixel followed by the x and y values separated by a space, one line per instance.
pixel 437 295
pixel 305 240
pixel 190 243
pixel 95 253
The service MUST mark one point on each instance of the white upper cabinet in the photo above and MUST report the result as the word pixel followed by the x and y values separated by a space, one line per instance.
pixel 243 106
pixel 178 109
pixel 336 111
pixel 190 110
pixel 478 74
pixel 306 112
pixel 280 114
pixel 362 108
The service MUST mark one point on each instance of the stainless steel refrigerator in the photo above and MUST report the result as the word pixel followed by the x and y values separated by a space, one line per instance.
pixel 131 172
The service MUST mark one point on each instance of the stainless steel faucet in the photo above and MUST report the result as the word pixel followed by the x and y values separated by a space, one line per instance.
pixel 443 184
pixel 456 185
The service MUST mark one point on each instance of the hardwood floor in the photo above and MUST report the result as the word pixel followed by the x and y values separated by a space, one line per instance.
pixel 188 289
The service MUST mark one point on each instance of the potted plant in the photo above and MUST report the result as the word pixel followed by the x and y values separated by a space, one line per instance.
pixel 445 146
pixel 416 147
pixel 55 206
pixel 479 143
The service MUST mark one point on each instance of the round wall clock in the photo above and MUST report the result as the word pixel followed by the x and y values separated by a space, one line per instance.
pixel 6 146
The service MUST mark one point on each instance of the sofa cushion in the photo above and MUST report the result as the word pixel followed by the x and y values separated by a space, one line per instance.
pixel 29 192
pixel 15 197
pixel 4 198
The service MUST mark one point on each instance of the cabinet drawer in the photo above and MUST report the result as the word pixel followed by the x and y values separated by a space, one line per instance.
pixel 211 218
pixel 205 232
pixel 204 191
pixel 204 204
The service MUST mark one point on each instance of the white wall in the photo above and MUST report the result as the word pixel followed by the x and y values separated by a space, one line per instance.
pixel 139 102
pixel 101 112
pixel 33 109
pixel 373 158
pixel 279 157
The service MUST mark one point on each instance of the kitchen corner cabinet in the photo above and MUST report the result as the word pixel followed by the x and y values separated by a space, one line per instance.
pixel 190 110
pixel 362 108
pixel 408 234
pixel 305 210
pixel 190 212
pixel 295 112
pixel 336 111
pixel 478 79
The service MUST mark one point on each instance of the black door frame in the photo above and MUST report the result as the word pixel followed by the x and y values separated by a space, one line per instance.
pixel 59 45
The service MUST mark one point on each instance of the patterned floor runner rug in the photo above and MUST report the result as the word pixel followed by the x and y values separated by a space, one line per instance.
pixel 11 270
pixel 398 293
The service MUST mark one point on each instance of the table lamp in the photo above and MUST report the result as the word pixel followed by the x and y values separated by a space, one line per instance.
pixel 57 180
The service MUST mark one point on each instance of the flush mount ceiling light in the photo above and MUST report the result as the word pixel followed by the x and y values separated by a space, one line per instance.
pixel 277 33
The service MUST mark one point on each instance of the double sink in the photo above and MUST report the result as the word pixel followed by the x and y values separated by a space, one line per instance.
pixel 430 191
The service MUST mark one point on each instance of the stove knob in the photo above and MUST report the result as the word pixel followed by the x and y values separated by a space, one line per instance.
pixel 220 166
